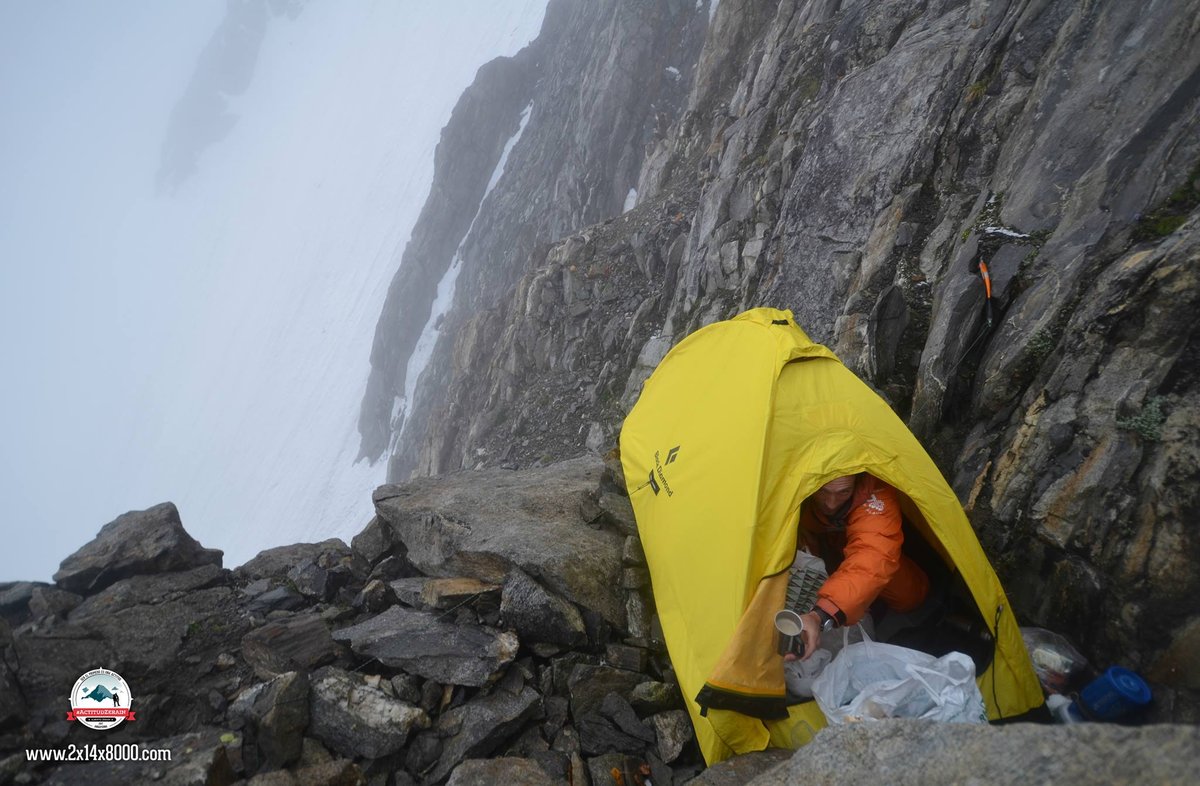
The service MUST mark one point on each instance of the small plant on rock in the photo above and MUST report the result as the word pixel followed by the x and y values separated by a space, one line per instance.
pixel 1149 422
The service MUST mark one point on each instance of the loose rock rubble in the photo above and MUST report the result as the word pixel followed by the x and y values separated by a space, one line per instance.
pixel 477 629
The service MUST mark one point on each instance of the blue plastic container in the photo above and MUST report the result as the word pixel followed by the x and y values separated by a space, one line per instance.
pixel 1114 694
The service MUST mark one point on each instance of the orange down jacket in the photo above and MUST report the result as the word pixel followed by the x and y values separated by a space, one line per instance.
pixel 861 549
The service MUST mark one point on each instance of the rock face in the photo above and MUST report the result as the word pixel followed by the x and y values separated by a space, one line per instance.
pixel 605 79
pixel 855 162
pixel 139 542
pixel 920 752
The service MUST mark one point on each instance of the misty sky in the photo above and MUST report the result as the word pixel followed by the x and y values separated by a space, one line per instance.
pixel 202 208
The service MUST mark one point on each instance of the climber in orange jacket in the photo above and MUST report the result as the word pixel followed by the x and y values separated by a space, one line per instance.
pixel 854 524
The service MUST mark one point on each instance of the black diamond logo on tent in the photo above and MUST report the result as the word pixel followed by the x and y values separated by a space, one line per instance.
pixel 672 454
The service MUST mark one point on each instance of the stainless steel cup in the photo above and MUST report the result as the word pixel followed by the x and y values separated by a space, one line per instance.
pixel 789 627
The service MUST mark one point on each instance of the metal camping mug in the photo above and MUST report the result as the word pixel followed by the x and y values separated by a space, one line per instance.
pixel 789 625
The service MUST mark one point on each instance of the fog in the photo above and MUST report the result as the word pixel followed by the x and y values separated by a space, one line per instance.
pixel 203 205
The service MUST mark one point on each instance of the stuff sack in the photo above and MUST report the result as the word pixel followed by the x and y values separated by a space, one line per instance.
pixel 870 681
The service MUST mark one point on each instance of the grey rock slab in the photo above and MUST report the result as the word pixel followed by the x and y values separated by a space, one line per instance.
pixel 338 772
pixel 619 512
pixel 13 709
pixel 313 581
pixel 52 602
pixel 149 590
pixel 55 657
pixel 278 599
pixel 556 715
pixel 15 597
pixel 136 543
pixel 299 643
pixel 280 714
pixel 633 554
pixel 481 726
pixel 374 542
pixel 744 769
pixel 916 752
pixel 506 770
pixel 392 568
pixel 589 685
pixel 652 698
pixel 276 562
pixel 674 731
pixel 638 616
pixel 148 633
pixel 422 752
pixel 483 523
pixel 600 768
pixel 421 643
pixel 375 596
pixel 355 719
pixel 408 590
pixel 598 735
pixel 625 657
pixel 448 593
pixel 538 615
pixel 617 710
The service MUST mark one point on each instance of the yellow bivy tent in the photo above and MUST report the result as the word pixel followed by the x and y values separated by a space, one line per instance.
pixel 740 422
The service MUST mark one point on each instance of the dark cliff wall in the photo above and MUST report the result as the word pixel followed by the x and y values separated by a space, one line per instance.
pixel 855 161
pixel 601 91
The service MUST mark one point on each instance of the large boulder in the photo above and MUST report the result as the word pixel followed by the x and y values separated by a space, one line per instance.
pixel 356 719
pixel 921 752
pixel 275 563
pixel 147 619
pixel 545 521
pixel 421 643
pixel 136 543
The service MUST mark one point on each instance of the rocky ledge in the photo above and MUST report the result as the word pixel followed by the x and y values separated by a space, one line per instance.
pixel 484 627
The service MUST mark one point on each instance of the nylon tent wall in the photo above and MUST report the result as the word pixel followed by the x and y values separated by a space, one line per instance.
pixel 741 421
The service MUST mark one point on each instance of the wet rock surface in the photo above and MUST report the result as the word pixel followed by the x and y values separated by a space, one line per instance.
pixel 804 157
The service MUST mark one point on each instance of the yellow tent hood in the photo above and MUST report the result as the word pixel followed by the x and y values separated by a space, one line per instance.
pixel 740 422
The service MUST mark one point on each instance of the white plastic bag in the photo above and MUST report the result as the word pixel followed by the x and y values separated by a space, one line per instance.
pixel 800 674
pixel 870 680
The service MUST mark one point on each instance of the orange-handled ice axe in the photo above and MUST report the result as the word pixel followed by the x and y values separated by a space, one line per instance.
pixel 987 288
